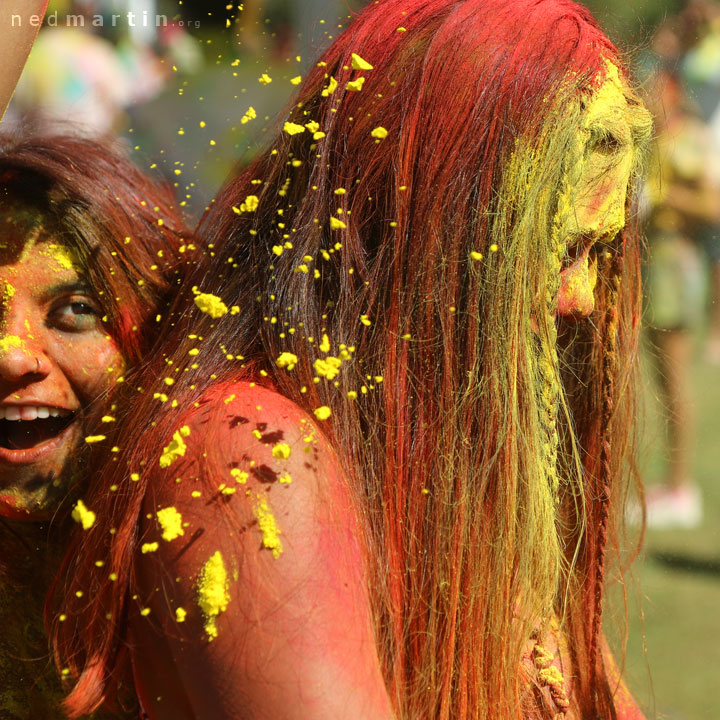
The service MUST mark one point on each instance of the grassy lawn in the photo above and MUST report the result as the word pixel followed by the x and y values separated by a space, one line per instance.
pixel 675 612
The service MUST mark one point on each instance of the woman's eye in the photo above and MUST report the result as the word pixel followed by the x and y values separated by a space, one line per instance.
pixel 75 315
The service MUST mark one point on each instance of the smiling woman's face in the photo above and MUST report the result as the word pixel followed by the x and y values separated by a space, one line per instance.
pixel 55 360
pixel 592 208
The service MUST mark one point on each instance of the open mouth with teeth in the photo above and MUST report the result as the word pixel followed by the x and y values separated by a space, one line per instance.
pixel 22 429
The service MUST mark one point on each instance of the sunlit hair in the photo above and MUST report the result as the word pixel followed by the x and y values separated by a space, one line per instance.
pixel 486 446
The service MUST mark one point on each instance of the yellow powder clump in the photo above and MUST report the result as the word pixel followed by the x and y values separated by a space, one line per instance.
pixel 336 224
pixel 177 447
pixel 322 413
pixel 287 360
pixel 149 547
pixel 82 515
pixel 249 115
pixel 171 523
pixel 240 475
pixel 293 128
pixel 281 451
pixel 211 304
pixel 213 595
pixel 359 64
pixel 94 438
pixel 268 527
pixel 331 87
pixel 356 85
pixel 328 368
pixel 379 132
pixel 180 614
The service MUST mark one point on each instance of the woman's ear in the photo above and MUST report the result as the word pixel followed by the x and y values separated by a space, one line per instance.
pixel 20 21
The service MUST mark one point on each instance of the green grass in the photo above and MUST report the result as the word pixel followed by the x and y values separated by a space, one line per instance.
pixel 679 676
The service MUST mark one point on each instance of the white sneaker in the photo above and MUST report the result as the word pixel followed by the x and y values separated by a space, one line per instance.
pixel 673 507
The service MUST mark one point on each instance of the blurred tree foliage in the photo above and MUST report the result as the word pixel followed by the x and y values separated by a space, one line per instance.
pixel 631 22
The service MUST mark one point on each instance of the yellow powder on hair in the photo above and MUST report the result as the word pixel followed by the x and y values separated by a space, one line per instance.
pixel 177 447
pixel 83 516
pixel 211 304
pixel 171 523
pixel 213 595
pixel 268 527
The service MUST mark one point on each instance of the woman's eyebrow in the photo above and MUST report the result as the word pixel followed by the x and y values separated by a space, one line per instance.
pixel 79 285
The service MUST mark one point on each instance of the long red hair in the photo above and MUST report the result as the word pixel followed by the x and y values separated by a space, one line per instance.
pixel 487 448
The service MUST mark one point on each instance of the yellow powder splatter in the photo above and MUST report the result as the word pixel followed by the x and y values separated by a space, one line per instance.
pixel 328 367
pixel 324 344
pixel 180 614
pixel 379 132
pixel 82 515
pixel 176 449
pixel 268 527
pixel 359 64
pixel 336 224
pixel 293 128
pixel 149 547
pixel 331 87
pixel 322 413
pixel 94 438
pixel 211 304
pixel 264 79
pixel 213 595
pixel 296 80
pixel 285 479
pixel 249 115
pixel 240 475
pixel 356 85
pixel 281 451
pixel 171 523
pixel 312 126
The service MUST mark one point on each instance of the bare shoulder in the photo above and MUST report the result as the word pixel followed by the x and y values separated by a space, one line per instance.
pixel 251 566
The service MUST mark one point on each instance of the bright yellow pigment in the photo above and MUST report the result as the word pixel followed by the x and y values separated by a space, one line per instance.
pixel 281 451
pixel 62 255
pixel 83 516
pixel 211 304
pixel 176 449
pixel 213 595
pixel 171 523
pixel 268 527
pixel 11 341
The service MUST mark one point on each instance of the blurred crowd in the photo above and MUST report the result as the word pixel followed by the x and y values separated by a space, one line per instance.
pixel 680 73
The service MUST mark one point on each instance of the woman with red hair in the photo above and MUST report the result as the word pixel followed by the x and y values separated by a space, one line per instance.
pixel 390 425
pixel 89 255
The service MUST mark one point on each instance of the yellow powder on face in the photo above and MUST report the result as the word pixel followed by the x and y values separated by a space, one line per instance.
pixel 83 516
pixel 62 255
pixel 171 523
pixel 177 447
pixel 213 595
pixel 268 527
pixel 11 341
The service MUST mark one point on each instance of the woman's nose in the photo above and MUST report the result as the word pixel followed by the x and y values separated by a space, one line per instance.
pixel 19 358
